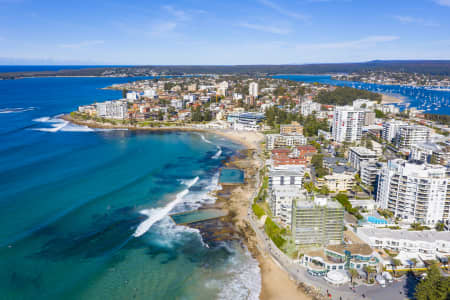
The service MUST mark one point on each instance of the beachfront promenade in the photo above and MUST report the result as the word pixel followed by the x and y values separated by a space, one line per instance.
pixel 300 275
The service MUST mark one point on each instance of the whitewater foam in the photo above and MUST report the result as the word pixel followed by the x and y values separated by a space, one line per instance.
pixel 205 139
pixel 157 214
pixel 58 124
pixel 15 110
pixel 243 280
pixel 218 153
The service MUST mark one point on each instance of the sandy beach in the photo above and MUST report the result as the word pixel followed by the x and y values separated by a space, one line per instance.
pixel 388 99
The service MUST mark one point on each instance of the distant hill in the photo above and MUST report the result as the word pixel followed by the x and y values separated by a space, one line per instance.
pixel 431 67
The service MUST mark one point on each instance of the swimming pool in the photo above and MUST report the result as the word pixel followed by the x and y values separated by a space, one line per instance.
pixel 375 220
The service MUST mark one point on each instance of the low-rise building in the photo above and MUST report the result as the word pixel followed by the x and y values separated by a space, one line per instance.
pixel 274 141
pixel 410 135
pixel 339 257
pixel 427 245
pixel 429 153
pixel 308 107
pixel 337 182
pixel 293 128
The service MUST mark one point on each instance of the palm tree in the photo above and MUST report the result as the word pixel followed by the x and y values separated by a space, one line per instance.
pixel 353 273
pixel 413 262
pixel 395 263
pixel 369 270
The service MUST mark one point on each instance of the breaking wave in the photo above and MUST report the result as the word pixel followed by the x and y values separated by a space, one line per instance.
pixel 218 153
pixel 157 214
pixel 15 110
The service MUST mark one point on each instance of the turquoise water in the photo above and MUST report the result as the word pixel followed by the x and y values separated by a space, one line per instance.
pixel 375 220
pixel 231 176
pixel 85 212
pixel 429 100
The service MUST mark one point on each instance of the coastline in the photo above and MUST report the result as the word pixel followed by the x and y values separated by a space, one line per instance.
pixel 274 280
pixel 389 99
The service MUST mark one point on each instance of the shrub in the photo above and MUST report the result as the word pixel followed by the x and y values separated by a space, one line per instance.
pixel 259 212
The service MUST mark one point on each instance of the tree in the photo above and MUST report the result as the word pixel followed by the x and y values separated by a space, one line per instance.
pixel 324 190
pixel 353 274
pixel 440 226
pixel 379 114
pixel 434 286
pixel 124 93
pixel 369 271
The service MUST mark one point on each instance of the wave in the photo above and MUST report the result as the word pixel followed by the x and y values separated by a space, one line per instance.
pixel 242 278
pixel 156 214
pixel 218 153
pixel 60 125
pixel 205 139
pixel 15 110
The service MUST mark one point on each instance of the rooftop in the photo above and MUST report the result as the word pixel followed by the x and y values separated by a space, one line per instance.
pixel 362 249
pixel 426 235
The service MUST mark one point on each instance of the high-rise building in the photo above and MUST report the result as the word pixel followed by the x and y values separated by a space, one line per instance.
pixel 112 109
pixel 318 222
pixel 412 134
pixel 253 89
pixel 280 201
pixel 357 155
pixel 391 128
pixel 414 192
pixel 347 124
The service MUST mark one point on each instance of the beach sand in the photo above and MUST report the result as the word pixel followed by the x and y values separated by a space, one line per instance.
pixel 388 99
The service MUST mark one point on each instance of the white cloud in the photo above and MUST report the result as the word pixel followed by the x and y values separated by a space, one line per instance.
pixel 284 11
pixel 356 44
pixel 163 28
pixel 413 20
pixel 443 2
pixel 266 28
pixel 177 13
pixel 82 44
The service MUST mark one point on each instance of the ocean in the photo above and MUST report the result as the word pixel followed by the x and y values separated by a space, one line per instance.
pixel 85 211
pixel 430 100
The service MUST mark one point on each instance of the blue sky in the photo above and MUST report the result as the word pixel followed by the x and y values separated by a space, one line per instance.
pixel 222 32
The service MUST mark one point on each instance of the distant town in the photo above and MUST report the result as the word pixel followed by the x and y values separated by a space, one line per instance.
pixel 354 191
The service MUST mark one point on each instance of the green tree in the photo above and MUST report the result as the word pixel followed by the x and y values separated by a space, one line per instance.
pixel 434 286
pixel 440 226
pixel 124 93
pixel 353 274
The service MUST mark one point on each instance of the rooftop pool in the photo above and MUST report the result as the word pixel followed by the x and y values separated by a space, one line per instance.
pixel 231 176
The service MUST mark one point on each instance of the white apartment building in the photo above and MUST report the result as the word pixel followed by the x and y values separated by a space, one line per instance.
pixel 412 134
pixel 391 128
pixel 427 245
pixel 274 141
pixel 429 152
pixel 150 93
pixel 253 89
pixel 132 96
pixel 347 124
pixel 286 175
pixel 308 107
pixel 414 192
pixel 112 109
pixel 357 155
pixel 368 172
pixel 281 198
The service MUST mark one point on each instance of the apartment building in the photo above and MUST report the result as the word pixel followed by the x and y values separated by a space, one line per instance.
pixel 280 201
pixel 410 135
pixel 391 128
pixel 357 155
pixel 253 89
pixel 274 141
pixel 112 109
pixel 308 107
pixel 318 222
pixel 293 128
pixel 347 124
pixel 414 192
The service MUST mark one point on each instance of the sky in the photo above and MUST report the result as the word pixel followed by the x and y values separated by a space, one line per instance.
pixel 208 32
